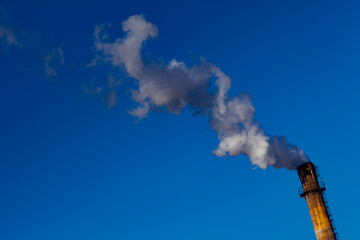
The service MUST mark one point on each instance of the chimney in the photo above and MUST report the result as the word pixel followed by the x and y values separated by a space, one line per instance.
pixel 313 191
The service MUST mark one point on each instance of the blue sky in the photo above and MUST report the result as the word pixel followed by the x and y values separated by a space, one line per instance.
pixel 75 165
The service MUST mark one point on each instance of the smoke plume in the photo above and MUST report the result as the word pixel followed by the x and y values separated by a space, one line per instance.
pixel 175 85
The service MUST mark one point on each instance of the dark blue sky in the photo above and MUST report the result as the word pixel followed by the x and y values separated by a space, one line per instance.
pixel 74 167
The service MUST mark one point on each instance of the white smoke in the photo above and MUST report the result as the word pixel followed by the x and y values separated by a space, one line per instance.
pixel 174 86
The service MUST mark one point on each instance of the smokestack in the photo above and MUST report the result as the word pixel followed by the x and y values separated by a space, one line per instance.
pixel 313 191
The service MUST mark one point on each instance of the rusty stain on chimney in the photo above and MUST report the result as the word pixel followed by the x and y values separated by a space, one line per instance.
pixel 313 191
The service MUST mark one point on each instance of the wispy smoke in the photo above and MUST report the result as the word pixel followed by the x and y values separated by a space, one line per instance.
pixel 106 94
pixel 175 85
pixel 54 57
pixel 7 35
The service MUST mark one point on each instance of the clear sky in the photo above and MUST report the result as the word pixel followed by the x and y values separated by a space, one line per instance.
pixel 74 164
